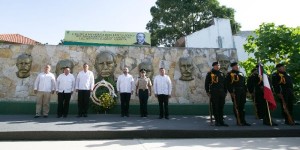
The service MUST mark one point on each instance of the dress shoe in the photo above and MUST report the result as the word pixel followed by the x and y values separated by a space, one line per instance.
pixel 167 118
pixel 291 124
pixel 36 116
pixel 224 124
pixel 160 117
pixel 217 124
pixel 45 116
pixel 246 124
pixel 79 116
pixel 85 115
pixel 58 116
pixel 268 124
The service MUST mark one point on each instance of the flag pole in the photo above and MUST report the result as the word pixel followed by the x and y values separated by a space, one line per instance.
pixel 270 119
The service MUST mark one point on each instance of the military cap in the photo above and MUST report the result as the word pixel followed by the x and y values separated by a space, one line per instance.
pixel 233 64
pixel 215 63
pixel 279 65
pixel 142 70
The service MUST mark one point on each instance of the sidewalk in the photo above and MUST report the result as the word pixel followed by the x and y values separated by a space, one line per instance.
pixel 112 126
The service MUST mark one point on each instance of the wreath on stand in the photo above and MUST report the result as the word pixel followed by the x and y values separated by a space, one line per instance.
pixel 103 95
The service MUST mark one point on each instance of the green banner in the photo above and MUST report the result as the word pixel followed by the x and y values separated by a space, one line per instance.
pixel 108 38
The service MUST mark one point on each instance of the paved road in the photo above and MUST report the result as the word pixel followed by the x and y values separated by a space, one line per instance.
pixel 160 144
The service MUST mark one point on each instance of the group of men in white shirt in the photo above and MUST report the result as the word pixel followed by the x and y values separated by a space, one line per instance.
pixel 162 90
pixel 45 85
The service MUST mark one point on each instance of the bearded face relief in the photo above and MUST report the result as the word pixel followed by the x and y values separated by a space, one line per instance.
pixel 224 62
pixel 23 64
pixel 186 68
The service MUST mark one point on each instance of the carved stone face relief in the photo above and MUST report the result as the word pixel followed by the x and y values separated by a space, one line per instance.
pixel 62 64
pixel 224 62
pixel 105 64
pixel 148 67
pixel 186 68
pixel 23 64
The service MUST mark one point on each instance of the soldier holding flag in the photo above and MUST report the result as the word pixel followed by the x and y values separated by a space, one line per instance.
pixel 255 84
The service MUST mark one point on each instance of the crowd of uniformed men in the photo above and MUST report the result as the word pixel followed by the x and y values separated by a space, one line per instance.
pixel 217 84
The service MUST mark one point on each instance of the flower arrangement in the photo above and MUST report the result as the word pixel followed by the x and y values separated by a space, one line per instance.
pixel 106 101
pixel 103 95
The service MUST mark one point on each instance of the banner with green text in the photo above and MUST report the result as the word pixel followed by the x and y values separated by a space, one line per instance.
pixel 107 38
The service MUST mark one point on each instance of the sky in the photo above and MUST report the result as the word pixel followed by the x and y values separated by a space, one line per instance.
pixel 47 20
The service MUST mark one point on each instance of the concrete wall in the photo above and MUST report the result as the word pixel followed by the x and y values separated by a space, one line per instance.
pixel 14 89
pixel 218 35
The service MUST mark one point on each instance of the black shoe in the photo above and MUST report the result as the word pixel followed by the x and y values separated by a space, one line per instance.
pixel 167 118
pixel 36 116
pixel 224 124
pixel 79 116
pixel 64 116
pixel 58 116
pixel 246 124
pixel 268 124
pixel 297 123
pixel 127 115
pixel 160 117
pixel 85 115
pixel 217 124
pixel 122 115
pixel 45 116
pixel 291 124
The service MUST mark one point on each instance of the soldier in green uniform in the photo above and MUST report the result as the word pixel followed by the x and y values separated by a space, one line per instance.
pixel 236 86
pixel 216 90
pixel 255 86
pixel 283 87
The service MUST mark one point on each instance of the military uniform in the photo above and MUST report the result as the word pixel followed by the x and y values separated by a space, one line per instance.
pixel 215 87
pixel 255 86
pixel 236 86
pixel 282 84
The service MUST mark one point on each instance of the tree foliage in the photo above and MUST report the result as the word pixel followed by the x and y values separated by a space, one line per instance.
pixel 173 19
pixel 272 45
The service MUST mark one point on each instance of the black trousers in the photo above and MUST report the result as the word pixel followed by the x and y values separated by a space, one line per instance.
pixel 163 101
pixel 289 99
pixel 83 101
pixel 125 98
pixel 143 96
pixel 63 104
pixel 262 107
pixel 240 98
pixel 218 101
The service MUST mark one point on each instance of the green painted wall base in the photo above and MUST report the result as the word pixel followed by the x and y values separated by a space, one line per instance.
pixel 9 108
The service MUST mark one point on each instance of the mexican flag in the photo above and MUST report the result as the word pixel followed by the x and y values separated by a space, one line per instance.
pixel 268 94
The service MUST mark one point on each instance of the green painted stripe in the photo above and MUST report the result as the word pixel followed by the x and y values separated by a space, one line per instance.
pixel 7 107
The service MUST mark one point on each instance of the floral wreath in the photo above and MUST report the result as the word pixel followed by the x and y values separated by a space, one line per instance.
pixel 106 84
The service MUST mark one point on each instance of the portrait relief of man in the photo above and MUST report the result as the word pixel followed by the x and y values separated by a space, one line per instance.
pixel 140 39
pixel 62 64
pixel 224 62
pixel 186 68
pixel 23 64
pixel 105 64
pixel 147 65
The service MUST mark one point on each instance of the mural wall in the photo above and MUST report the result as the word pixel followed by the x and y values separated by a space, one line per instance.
pixel 187 67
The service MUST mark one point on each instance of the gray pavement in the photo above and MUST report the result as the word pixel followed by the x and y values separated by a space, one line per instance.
pixel 112 126
pixel 160 144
